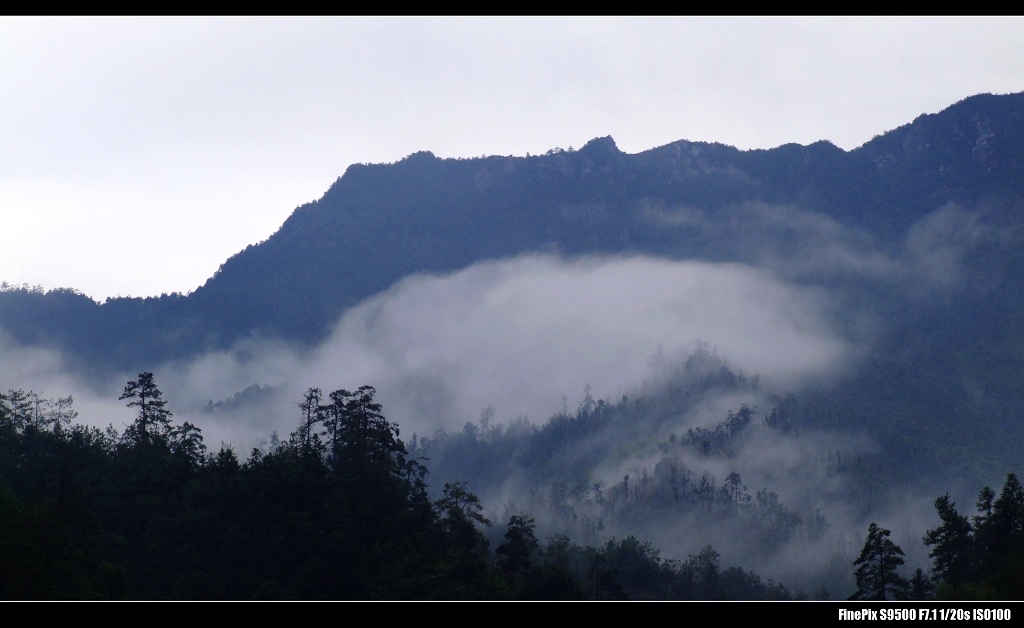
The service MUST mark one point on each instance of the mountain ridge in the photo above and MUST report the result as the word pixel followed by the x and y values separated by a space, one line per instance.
pixel 380 222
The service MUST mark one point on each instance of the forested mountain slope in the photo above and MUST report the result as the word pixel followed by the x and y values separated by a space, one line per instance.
pixel 379 223
pixel 915 238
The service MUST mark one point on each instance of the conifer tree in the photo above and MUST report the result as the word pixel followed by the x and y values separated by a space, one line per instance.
pixel 153 419
pixel 952 545
pixel 876 567
pixel 519 544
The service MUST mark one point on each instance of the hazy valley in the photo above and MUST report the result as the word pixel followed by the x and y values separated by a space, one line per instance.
pixel 758 351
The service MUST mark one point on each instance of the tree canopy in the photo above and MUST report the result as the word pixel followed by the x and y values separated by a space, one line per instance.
pixel 153 419
pixel 877 575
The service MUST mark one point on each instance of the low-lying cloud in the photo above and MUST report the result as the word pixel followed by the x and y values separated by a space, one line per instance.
pixel 525 335
pixel 518 334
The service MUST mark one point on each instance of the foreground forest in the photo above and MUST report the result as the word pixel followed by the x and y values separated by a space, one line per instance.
pixel 341 510
pixel 337 511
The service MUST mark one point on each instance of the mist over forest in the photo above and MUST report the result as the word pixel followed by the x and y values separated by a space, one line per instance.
pixel 758 352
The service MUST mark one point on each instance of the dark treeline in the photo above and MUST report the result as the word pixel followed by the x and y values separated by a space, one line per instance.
pixel 339 510
pixel 983 558
pixel 977 559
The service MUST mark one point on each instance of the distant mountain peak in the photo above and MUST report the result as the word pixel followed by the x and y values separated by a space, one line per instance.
pixel 422 155
pixel 601 144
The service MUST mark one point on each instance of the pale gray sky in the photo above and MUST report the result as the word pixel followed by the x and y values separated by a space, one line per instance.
pixel 137 154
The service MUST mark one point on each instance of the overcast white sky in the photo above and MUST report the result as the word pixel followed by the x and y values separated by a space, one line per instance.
pixel 137 154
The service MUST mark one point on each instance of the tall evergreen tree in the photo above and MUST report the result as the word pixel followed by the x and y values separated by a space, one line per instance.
pixel 876 567
pixel 952 545
pixel 921 586
pixel 312 413
pixel 999 535
pixel 153 418
pixel 369 441
pixel 519 544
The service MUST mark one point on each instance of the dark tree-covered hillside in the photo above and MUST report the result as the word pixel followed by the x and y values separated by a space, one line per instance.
pixel 381 222
pixel 338 511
